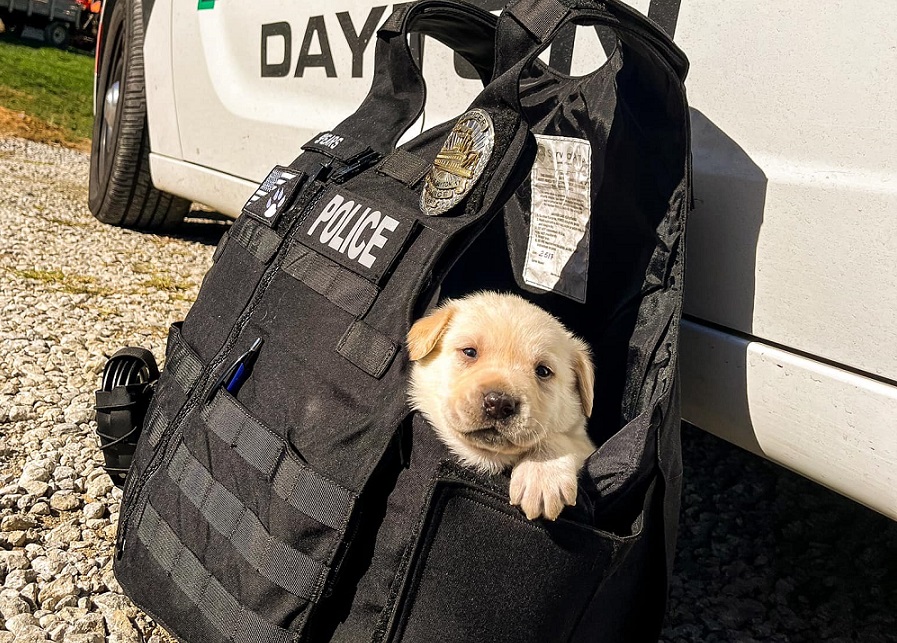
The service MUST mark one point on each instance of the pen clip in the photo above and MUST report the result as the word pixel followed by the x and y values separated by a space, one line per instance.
pixel 230 378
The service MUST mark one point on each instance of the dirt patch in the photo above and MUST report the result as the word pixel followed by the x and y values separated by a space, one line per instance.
pixel 13 123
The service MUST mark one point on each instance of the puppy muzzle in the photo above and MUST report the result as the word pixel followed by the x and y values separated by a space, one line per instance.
pixel 499 425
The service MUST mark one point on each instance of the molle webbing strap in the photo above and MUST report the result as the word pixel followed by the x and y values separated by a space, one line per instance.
pixel 367 348
pixel 393 24
pixel 539 17
pixel 341 147
pixel 306 490
pixel 235 622
pixel 292 570
pixel 260 241
pixel 352 293
pixel 405 167
pixel 154 425
pixel 182 364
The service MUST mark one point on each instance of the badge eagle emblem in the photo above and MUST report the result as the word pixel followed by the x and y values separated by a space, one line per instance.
pixel 459 164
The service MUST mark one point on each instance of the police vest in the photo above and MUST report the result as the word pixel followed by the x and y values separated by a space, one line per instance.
pixel 282 491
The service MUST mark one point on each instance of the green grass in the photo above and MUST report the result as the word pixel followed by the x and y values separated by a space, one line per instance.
pixel 73 284
pixel 50 85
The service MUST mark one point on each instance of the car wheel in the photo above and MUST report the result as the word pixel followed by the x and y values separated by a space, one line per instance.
pixel 57 34
pixel 121 189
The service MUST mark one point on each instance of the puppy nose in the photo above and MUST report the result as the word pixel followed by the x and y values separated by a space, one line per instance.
pixel 499 405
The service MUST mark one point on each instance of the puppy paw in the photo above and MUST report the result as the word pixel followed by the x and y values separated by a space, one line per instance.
pixel 543 488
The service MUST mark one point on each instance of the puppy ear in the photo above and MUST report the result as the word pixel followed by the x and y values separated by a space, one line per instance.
pixel 426 331
pixel 585 376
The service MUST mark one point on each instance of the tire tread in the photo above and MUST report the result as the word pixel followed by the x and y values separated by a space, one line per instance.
pixel 129 197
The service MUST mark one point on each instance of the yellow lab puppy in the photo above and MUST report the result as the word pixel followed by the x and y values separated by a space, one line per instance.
pixel 504 384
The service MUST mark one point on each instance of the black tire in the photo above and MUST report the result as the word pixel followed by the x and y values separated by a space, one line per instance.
pixel 121 189
pixel 57 34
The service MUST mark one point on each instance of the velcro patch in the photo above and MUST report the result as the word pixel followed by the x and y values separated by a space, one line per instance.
pixel 338 146
pixel 356 233
pixel 274 195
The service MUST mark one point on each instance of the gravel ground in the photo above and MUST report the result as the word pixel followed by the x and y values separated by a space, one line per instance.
pixel 767 555
pixel 764 555
pixel 72 291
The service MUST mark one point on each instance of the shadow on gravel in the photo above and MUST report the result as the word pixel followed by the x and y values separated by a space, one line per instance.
pixel 766 555
pixel 207 231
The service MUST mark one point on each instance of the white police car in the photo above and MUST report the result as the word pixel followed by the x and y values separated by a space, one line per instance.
pixel 790 342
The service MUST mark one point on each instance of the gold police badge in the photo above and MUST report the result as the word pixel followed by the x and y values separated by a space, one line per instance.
pixel 459 164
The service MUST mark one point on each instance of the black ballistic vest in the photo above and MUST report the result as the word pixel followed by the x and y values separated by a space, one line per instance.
pixel 282 491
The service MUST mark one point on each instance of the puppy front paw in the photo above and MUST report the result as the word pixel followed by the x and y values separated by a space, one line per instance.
pixel 543 488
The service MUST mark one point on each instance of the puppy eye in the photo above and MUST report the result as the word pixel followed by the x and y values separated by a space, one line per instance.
pixel 470 352
pixel 543 372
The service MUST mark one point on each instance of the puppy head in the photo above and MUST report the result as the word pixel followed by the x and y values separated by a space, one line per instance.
pixel 496 376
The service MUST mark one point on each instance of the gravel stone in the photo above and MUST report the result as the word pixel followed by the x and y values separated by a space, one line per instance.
pixel 109 602
pixel 111 582
pixel 120 627
pixel 68 533
pixel 18 578
pixel 99 486
pixel 19 413
pixel 20 622
pixel 46 620
pixel 31 634
pixel 94 510
pixel 17 522
pixel 49 566
pixel 40 509
pixel 64 473
pixel 29 593
pixel 36 488
pixel 56 631
pixel 89 637
pixel 13 560
pixel 18 538
pixel 53 593
pixel 11 606
pixel 36 471
pixel 62 501
pixel 70 613
pixel 24 503
pixel 92 622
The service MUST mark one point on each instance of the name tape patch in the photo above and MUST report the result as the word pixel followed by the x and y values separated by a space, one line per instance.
pixel 328 140
pixel 274 195
pixel 338 146
pixel 356 233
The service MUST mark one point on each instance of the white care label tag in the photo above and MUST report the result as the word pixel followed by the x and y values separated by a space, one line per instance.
pixel 557 255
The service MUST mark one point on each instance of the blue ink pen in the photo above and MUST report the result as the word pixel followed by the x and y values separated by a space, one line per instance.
pixel 234 376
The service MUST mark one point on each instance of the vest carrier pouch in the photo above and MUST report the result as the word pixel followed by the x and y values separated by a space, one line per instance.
pixel 282 491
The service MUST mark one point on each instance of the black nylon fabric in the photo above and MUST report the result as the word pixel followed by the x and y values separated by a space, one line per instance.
pixel 314 458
